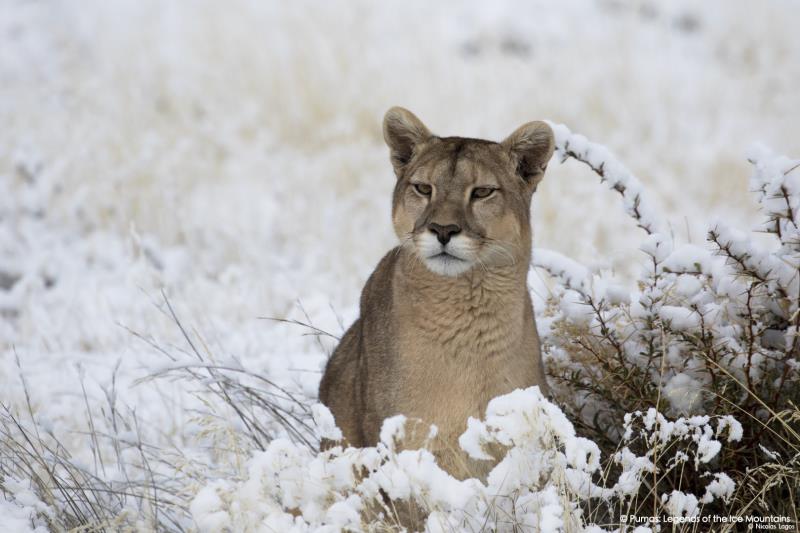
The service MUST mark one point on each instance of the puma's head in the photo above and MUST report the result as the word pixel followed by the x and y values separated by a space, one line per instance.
pixel 464 203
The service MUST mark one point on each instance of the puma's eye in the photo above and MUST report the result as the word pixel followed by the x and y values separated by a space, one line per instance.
pixel 423 188
pixel 482 192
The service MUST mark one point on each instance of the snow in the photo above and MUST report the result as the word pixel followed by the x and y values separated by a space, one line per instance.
pixel 324 423
pixel 633 469
pixel 612 172
pixel 207 508
pixel 19 518
pixel 23 511
pixel 683 392
pixel 707 449
pixel 695 432
pixel 681 504
pixel 393 431
pixel 688 286
pixel 572 274
pixel 733 427
pixel 582 454
pixel 679 318
pixel 722 486
pixel 688 258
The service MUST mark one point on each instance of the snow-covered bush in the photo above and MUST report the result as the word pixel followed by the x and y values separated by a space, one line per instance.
pixel 546 480
pixel 709 332
pixel 289 487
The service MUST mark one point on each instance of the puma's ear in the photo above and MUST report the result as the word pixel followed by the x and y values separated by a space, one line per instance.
pixel 403 131
pixel 531 147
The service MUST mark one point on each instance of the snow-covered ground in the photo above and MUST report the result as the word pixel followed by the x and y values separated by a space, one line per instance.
pixel 230 154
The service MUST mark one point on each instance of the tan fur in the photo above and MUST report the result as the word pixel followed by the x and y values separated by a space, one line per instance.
pixel 438 338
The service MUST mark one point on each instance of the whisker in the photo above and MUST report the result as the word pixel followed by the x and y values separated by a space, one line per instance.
pixel 409 237
pixel 482 264
pixel 501 248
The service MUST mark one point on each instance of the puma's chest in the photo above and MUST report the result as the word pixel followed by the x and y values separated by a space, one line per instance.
pixel 450 373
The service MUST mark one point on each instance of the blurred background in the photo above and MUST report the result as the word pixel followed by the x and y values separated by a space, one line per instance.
pixel 231 153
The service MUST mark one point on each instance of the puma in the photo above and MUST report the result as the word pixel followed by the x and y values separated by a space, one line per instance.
pixel 446 321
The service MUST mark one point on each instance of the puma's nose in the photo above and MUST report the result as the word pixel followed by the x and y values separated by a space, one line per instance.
pixel 443 233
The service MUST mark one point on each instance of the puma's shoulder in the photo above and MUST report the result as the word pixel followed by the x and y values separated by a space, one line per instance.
pixel 378 289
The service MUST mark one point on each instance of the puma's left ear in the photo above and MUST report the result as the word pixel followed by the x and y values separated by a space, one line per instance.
pixel 531 147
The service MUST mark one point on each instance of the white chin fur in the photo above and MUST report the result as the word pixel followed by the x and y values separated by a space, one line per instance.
pixel 455 262
pixel 447 265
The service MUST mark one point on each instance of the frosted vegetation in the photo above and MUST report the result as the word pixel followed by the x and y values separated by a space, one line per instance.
pixel 173 175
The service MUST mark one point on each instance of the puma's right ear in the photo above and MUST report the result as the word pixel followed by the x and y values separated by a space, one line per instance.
pixel 403 132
